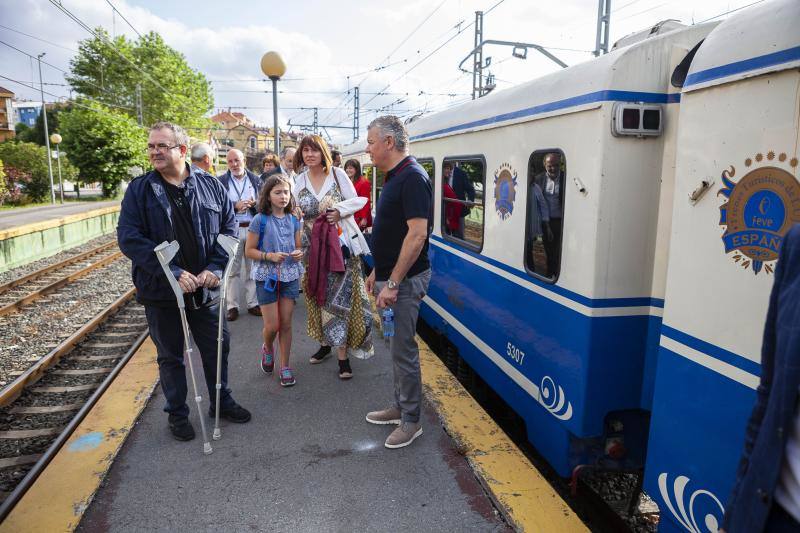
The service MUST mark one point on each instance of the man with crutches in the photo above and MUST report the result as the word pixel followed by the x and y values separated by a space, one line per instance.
pixel 171 203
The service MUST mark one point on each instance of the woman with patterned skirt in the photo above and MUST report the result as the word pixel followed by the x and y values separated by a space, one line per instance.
pixel 345 319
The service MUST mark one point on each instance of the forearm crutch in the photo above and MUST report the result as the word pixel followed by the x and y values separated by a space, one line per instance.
pixel 230 245
pixel 165 252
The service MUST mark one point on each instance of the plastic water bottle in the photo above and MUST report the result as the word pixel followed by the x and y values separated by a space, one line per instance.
pixel 387 320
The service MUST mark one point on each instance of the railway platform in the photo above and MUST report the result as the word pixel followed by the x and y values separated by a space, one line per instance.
pixel 307 461
pixel 14 218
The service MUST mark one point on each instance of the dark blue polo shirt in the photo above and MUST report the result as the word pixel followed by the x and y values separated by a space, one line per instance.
pixel 406 194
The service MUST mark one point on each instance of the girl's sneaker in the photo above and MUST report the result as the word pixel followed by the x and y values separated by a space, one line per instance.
pixel 287 378
pixel 267 360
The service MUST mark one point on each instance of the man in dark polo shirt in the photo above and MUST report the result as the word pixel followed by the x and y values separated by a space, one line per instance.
pixel 403 221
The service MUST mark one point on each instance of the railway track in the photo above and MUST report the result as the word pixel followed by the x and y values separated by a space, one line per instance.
pixel 31 287
pixel 41 408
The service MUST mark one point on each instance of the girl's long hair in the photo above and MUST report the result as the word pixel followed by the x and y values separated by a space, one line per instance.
pixel 264 205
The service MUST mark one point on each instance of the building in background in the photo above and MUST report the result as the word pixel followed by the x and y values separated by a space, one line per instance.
pixel 236 130
pixel 6 115
pixel 26 112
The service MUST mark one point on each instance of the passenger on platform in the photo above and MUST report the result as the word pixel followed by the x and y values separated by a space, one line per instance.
pixel 362 186
pixel 464 190
pixel 336 156
pixel 270 165
pixel 242 186
pixel 274 245
pixel 551 182
pixel 363 216
pixel 172 202
pixel 766 496
pixel 403 222
pixel 287 163
pixel 344 320
pixel 202 155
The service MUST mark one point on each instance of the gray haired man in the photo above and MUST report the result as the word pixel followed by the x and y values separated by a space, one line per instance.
pixel 402 271
pixel 201 155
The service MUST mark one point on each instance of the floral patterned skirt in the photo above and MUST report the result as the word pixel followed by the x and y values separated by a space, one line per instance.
pixel 346 317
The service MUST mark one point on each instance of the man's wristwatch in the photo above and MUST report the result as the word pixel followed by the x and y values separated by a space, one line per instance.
pixel 391 284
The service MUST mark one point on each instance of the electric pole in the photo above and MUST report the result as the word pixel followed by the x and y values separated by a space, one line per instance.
pixel 603 24
pixel 139 112
pixel 356 124
pixel 477 58
pixel 315 124
pixel 46 132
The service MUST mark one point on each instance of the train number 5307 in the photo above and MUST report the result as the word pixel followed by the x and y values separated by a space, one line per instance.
pixel 515 354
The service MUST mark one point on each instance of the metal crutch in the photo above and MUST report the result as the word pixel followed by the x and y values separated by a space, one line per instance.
pixel 230 245
pixel 165 252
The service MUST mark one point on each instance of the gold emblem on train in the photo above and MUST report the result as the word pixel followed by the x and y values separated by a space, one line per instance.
pixel 760 209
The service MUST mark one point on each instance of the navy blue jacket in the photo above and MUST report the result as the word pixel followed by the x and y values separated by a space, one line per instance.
pixel 463 188
pixel 145 221
pixel 774 412
pixel 255 181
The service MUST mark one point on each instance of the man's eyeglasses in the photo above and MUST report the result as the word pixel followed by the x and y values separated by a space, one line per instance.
pixel 160 147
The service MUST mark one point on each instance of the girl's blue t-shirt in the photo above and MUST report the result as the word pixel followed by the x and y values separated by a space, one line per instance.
pixel 279 236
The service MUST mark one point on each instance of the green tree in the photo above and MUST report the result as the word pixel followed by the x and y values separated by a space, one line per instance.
pixel 4 189
pixel 170 89
pixel 104 144
pixel 26 164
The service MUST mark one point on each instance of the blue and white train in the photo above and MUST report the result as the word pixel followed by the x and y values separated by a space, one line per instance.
pixel 680 155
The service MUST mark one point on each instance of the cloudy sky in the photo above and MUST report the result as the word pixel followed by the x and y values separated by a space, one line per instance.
pixel 404 56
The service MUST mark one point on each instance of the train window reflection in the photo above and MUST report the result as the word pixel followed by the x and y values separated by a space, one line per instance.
pixel 430 168
pixel 463 200
pixel 547 171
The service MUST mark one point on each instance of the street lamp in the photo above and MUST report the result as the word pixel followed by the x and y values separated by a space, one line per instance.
pixel 273 66
pixel 56 139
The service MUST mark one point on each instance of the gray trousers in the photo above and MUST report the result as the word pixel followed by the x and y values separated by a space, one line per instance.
pixel 404 349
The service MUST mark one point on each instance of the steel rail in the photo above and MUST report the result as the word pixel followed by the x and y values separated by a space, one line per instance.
pixel 35 295
pixel 5 287
pixel 19 491
pixel 11 392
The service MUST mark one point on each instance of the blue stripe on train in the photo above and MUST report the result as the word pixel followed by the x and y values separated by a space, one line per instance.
pixel 595 303
pixel 731 358
pixel 574 101
pixel 696 431
pixel 599 362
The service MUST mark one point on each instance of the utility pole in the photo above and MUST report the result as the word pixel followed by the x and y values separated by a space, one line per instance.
pixel 139 111
pixel 46 132
pixel 356 121
pixel 315 124
pixel 477 58
pixel 603 24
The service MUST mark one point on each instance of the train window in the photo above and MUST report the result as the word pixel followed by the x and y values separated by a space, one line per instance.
pixel 651 120
pixel 463 200
pixel 630 119
pixel 547 172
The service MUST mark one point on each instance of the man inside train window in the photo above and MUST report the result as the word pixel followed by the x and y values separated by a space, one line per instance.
pixel 539 229
pixel 551 182
pixel 464 190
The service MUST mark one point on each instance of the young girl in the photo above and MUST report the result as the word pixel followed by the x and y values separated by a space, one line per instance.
pixel 273 241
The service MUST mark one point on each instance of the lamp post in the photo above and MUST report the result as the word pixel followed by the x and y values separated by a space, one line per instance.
pixel 273 66
pixel 46 133
pixel 56 139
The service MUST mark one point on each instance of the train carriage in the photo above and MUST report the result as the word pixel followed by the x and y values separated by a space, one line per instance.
pixel 652 227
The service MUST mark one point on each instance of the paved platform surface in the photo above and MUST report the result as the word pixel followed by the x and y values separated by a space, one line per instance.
pixel 23 216
pixel 308 461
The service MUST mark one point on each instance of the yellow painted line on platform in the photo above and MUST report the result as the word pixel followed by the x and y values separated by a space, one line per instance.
pixel 523 495
pixel 58 499
pixel 55 222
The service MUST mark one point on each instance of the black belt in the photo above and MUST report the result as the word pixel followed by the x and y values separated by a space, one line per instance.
pixel 244 224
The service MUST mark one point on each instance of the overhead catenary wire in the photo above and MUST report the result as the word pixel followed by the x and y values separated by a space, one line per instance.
pixel 123 18
pixel 67 100
pixel 58 5
pixel 39 39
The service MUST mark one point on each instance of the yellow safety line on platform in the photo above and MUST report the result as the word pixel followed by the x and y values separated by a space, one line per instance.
pixel 523 495
pixel 55 222
pixel 58 499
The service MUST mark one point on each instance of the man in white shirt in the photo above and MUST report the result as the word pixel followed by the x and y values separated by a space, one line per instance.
pixel 287 162
pixel 242 187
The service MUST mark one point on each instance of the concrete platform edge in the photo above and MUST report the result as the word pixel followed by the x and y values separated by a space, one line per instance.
pixel 524 497
pixel 54 223
pixel 65 489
